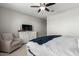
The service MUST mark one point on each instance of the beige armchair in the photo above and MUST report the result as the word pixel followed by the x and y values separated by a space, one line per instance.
pixel 8 43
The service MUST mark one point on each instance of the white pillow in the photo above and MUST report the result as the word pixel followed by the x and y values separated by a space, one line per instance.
pixel 7 36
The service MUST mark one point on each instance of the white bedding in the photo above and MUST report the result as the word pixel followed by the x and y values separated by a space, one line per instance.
pixel 61 46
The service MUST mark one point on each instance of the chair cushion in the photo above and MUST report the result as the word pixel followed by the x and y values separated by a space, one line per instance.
pixel 7 36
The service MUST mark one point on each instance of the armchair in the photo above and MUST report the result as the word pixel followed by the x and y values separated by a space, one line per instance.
pixel 8 43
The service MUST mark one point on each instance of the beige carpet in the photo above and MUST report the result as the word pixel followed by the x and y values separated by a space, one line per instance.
pixel 19 52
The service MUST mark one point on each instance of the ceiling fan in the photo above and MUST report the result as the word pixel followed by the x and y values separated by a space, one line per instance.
pixel 43 6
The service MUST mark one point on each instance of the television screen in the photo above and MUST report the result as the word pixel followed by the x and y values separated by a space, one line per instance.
pixel 26 27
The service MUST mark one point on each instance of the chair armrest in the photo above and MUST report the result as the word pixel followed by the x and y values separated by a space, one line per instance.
pixel 18 39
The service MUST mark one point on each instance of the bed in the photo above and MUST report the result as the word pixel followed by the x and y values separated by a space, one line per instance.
pixel 58 46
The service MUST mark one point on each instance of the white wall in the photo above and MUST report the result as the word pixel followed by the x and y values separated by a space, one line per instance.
pixel 65 23
pixel 11 20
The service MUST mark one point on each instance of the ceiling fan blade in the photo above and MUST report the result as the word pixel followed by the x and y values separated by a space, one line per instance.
pixel 35 6
pixel 39 10
pixel 49 4
pixel 47 9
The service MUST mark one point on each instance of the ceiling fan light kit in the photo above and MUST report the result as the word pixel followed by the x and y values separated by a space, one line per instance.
pixel 42 8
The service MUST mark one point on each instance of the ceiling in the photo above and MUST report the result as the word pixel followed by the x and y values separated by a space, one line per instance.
pixel 26 9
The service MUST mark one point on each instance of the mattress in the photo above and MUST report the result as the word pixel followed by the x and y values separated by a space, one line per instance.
pixel 61 46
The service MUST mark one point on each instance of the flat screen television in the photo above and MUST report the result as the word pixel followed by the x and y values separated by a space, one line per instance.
pixel 26 27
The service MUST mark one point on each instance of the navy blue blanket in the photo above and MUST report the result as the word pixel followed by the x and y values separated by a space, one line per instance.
pixel 44 39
